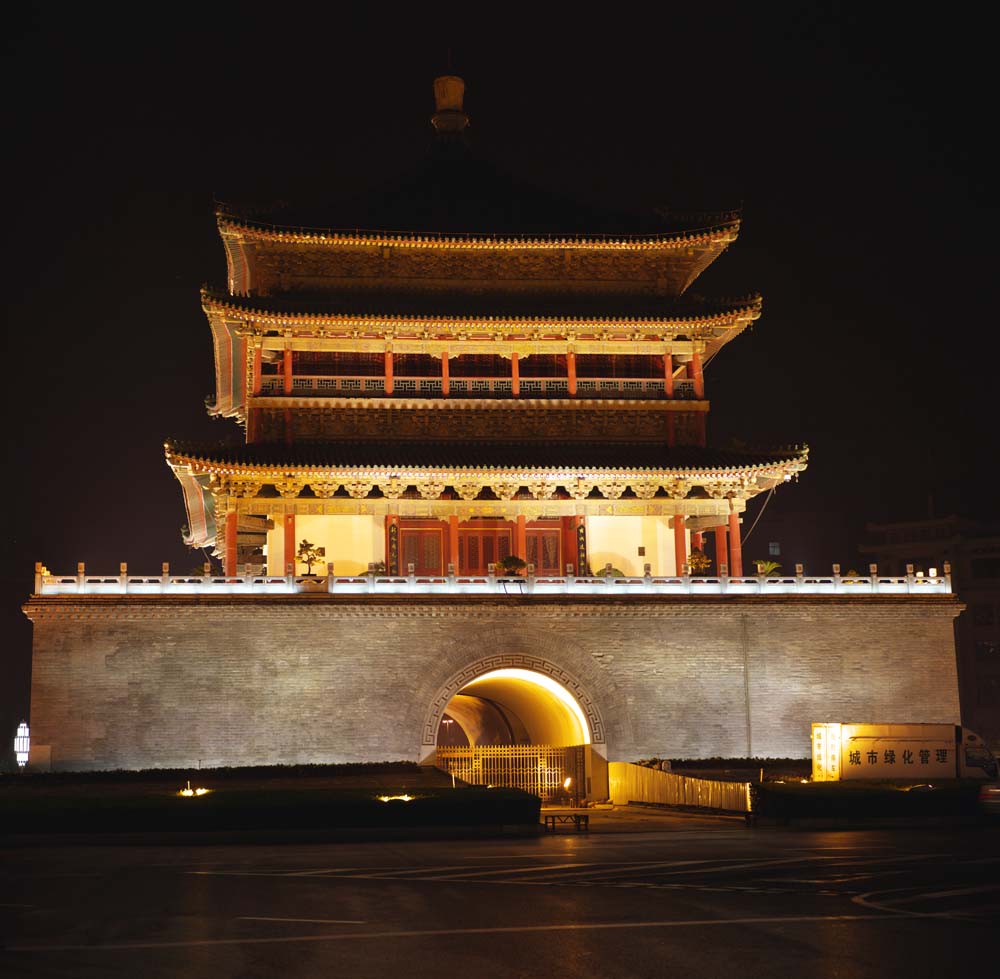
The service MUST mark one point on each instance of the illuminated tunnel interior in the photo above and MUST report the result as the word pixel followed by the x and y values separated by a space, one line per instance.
pixel 512 706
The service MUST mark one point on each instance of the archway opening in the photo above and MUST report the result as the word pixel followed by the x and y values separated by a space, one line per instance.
pixel 514 706
pixel 520 728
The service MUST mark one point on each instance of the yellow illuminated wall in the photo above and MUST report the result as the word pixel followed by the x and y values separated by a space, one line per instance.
pixel 352 542
pixel 616 541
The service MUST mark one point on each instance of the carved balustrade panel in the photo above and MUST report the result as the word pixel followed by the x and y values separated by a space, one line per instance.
pixel 505 490
pixel 243 488
pixel 324 488
pixel 645 491
pixel 541 490
pixel 393 488
pixel 611 489
pixel 431 489
pixel 358 489
pixel 289 488
pixel 580 489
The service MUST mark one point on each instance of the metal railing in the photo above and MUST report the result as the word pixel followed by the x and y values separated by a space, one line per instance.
pixel 256 582
pixel 537 768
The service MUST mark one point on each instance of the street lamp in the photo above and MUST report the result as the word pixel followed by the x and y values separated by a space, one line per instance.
pixel 22 744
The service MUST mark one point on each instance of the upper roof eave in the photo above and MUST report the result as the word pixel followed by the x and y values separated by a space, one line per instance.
pixel 718 234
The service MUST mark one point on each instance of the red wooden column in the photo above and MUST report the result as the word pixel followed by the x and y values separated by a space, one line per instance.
pixel 668 375
pixel 697 541
pixel 680 544
pixel 232 524
pixel 515 376
pixel 697 375
pixel 735 546
pixel 255 378
pixel 287 389
pixel 290 548
pixel 521 537
pixel 571 373
pixel 445 380
pixel 453 542
pixel 721 555
pixel 388 370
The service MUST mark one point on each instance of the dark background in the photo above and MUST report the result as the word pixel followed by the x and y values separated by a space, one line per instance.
pixel 859 144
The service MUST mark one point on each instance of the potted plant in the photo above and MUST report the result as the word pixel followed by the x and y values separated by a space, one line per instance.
pixel 308 554
pixel 510 566
pixel 698 561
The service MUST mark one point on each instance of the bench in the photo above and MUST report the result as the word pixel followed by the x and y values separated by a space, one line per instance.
pixel 580 819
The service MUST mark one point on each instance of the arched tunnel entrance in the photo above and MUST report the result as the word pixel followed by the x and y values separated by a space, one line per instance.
pixel 523 729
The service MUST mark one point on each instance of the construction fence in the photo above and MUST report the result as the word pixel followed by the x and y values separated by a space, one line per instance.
pixel 636 783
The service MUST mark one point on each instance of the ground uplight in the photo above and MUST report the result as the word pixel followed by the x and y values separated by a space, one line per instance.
pixel 189 792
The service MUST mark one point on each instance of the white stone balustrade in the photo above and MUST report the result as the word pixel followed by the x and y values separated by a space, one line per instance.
pixel 381 584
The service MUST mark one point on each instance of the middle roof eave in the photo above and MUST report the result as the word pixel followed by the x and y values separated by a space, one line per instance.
pixel 510 309
pixel 483 456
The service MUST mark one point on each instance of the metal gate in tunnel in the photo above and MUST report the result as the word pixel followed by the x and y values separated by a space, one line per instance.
pixel 540 769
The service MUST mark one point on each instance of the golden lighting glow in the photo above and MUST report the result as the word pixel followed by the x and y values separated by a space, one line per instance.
pixel 189 792
pixel 549 685
pixel 395 798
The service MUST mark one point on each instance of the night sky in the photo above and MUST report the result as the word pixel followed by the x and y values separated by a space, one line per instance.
pixel 858 148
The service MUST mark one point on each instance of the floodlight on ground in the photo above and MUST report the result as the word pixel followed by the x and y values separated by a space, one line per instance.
pixel 189 793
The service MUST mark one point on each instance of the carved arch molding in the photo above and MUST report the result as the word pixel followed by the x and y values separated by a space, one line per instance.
pixel 511 661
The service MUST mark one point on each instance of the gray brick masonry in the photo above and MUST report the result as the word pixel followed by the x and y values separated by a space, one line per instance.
pixel 132 682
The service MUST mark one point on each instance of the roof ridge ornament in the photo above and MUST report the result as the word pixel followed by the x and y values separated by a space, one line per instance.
pixel 449 117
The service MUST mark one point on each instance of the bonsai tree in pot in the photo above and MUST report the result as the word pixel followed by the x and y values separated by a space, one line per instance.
pixel 510 566
pixel 308 554
pixel 698 561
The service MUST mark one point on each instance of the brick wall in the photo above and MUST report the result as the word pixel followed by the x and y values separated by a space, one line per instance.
pixel 137 682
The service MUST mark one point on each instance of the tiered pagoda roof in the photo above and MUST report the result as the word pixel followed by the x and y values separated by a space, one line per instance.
pixel 414 337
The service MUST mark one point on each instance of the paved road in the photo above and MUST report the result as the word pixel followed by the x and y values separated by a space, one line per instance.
pixel 685 898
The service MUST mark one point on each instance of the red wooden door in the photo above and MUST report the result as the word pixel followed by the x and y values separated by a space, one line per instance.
pixel 544 548
pixel 423 547
pixel 482 543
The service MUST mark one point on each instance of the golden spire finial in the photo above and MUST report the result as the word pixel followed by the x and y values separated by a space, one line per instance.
pixel 449 93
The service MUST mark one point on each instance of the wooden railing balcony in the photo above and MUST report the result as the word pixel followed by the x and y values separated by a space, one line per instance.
pixel 323 386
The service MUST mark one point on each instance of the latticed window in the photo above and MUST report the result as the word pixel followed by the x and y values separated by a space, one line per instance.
pixel 416 365
pixel 342 364
pixel 542 365
pixel 619 365
pixel 479 365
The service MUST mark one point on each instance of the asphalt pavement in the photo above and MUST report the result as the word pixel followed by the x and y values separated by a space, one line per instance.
pixel 655 893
